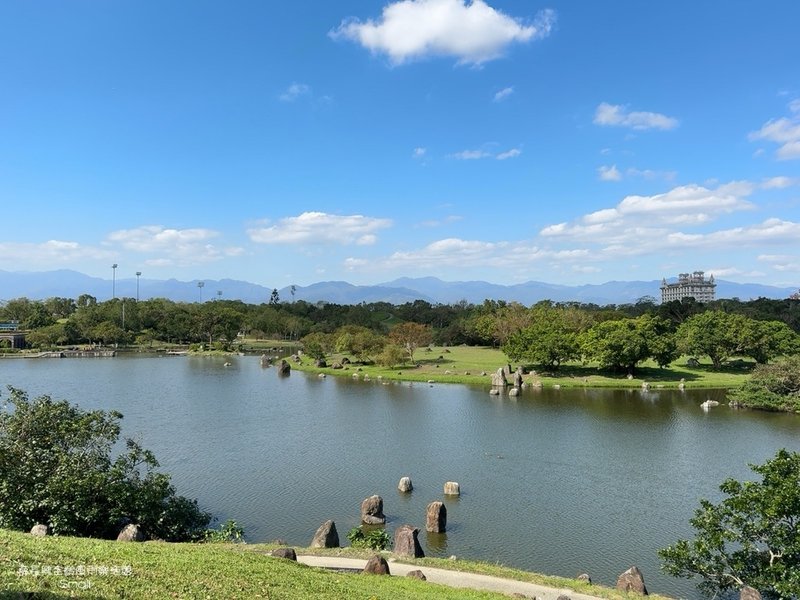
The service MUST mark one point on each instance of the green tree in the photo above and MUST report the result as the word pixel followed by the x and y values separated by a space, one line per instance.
pixel 359 341
pixel 771 387
pixel 56 468
pixel 661 343
pixel 750 538
pixel 410 335
pixel 618 345
pixel 391 356
pixel 549 339
pixel 274 298
pixel 766 340
pixel 714 333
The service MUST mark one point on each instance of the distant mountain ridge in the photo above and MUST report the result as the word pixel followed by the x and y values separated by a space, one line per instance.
pixel 71 284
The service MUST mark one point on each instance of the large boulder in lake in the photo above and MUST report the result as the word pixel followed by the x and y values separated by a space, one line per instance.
pixel 405 484
pixel 632 580
pixel 131 533
pixel 39 530
pixel 406 542
pixel 326 536
pixel 376 565
pixel 372 511
pixel 436 518
pixel 284 368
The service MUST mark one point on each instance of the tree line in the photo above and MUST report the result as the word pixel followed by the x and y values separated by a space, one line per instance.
pixel 547 333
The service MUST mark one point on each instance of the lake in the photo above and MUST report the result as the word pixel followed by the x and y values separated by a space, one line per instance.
pixel 556 481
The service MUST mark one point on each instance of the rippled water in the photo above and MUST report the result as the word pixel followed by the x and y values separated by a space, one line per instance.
pixel 558 481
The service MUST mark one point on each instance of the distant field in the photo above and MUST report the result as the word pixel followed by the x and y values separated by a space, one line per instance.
pixel 464 364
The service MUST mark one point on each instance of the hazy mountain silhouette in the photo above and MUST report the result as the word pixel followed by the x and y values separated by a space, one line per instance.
pixel 71 284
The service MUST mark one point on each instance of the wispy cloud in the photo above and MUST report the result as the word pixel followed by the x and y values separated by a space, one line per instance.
pixel 503 94
pixel 779 183
pixel 49 253
pixel 470 31
pixel 172 246
pixel 295 91
pixel 619 116
pixel 784 131
pixel 320 228
pixel 419 152
pixel 513 153
pixel 606 173
pixel 470 155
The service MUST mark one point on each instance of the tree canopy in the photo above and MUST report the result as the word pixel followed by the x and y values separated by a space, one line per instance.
pixel 56 469
pixel 751 538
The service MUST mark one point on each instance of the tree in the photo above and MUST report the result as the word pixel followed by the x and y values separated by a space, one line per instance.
pixel 661 344
pixel 766 340
pixel 391 356
pixel 618 345
pixel 56 469
pixel 751 538
pixel 714 334
pixel 549 340
pixel 274 298
pixel 771 387
pixel 411 336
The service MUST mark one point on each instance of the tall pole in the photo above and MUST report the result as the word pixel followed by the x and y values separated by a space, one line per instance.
pixel 200 285
pixel 138 274
pixel 113 281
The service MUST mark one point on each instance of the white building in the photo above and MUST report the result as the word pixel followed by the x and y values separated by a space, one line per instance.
pixel 689 286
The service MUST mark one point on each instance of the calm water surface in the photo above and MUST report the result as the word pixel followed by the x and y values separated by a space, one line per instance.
pixel 557 481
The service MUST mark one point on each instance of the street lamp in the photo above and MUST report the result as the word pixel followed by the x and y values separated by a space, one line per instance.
pixel 138 274
pixel 200 285
pixel 113 281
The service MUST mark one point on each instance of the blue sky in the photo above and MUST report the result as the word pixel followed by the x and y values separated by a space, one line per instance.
pixel 294 142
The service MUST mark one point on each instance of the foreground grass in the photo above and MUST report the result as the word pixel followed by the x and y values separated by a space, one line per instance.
pixel 161 570
pixel 465 364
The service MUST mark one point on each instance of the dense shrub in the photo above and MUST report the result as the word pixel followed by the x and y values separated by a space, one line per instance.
pixel 56 468
pixel 772 387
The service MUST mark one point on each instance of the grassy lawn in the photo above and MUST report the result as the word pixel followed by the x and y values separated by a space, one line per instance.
pixel 465 364
pixel 162 570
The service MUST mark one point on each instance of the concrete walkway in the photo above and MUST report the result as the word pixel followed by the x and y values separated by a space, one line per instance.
pixel 451 578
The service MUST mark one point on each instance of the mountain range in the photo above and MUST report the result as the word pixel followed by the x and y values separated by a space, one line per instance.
pixel 71 284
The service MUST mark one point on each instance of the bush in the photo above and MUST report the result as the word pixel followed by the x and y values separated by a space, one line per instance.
pixel 56 469
pixel 228 532
pixel 772 387
pixel 377 539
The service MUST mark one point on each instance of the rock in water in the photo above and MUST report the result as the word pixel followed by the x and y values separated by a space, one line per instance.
pixel 451 488
pixel 405 484
pixel 372 511
pixel 436 518
pixel 376 565
pixel 632 580
pixel 284 368
pixel 406 542
pixel 499 378
pixel 326 536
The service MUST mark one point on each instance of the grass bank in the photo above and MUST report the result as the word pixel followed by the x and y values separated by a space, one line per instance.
pixel 465 364
pixel 90 568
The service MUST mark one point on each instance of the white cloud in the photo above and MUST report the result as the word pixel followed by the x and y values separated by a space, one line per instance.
pixel 472 32
pixel 503 94
pixel 470 155
pixel 320 228
pixel 784 131
pixel 650 174
pixel 607 173
pixel 513 153
pixel 618 115
pixel 294 91
pixel 176 246
pixel 49 253
pixel 419 152
pixel 779 183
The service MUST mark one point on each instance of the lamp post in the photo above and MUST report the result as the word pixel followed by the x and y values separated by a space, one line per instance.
pixel 138 274
pixel 200 285
pixel 113 281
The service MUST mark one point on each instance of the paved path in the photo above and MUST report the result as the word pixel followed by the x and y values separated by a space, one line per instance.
pixel 451 578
